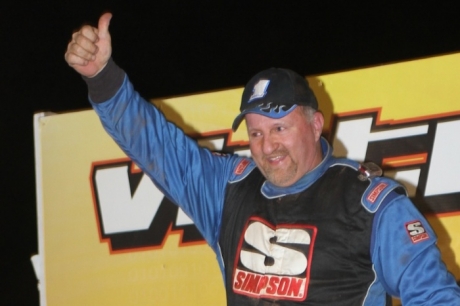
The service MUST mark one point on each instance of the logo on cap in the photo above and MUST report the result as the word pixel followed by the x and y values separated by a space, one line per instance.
pixel 259 90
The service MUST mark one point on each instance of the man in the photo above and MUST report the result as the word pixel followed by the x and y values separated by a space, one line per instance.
pixel 291 226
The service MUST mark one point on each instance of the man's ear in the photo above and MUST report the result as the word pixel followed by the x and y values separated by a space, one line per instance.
pixel 318 124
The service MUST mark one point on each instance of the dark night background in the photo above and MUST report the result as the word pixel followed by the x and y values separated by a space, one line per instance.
pixel 179 47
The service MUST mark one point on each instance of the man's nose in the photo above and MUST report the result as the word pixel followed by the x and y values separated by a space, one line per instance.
pixel 269 144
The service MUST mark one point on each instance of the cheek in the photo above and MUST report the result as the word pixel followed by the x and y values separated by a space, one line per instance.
pixel 304 144
pixel 257 153
pixel 254 147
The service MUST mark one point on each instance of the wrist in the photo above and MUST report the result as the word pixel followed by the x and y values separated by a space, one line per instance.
pixel 104 84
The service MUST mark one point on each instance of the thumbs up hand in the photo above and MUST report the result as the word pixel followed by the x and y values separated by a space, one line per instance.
pixel 90 48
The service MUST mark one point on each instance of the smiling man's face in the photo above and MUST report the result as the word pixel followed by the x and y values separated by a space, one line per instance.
pixel 287 148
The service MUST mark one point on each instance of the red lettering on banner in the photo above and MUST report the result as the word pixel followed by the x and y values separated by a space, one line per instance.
pixel 239 280
pixel 252 282
pixel 245 284
pixel 295 287
pixel 420 237
pixel 241 166
pixel 262 284
pixel 376 192
pixel 283 286
pixel 273 285
pixel 269 286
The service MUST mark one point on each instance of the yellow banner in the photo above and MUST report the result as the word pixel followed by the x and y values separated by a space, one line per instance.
pixel 142 250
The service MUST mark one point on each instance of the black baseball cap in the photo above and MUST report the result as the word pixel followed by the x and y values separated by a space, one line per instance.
pixel 274 93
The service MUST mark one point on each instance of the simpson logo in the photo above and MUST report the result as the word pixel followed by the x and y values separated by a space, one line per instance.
pixel 270 285
pixel 241 166
pixel 376 192
pixel 274 262
pixel 416 231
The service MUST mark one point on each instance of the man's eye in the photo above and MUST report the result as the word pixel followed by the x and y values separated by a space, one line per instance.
pixel 280 128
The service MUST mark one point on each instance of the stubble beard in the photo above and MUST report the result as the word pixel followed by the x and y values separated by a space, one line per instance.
pixel 279 176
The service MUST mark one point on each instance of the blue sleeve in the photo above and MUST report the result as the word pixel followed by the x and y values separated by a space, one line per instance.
pixel 190 176
pixel 406 259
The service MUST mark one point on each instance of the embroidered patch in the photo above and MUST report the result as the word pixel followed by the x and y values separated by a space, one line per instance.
pixel 373 195
pixel 274 261
pixel 259 90
pixel 241 166
pixel 416 231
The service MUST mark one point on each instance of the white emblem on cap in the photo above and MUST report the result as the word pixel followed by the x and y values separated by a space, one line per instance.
pixel 260 90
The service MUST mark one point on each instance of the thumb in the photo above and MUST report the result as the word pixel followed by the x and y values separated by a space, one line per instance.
pixel 103 25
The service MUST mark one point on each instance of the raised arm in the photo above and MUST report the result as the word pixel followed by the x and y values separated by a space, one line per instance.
pixel 190 176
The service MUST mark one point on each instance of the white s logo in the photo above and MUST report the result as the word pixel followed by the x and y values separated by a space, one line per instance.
pixel 274 258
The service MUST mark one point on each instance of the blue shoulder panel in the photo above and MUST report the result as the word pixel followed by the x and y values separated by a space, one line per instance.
pixel 241 169
pixel 377 192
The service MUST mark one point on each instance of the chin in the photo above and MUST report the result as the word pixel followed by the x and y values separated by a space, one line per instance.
pixel 281 182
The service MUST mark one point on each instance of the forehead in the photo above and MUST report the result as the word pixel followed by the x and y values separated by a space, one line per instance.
pixel 254 120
